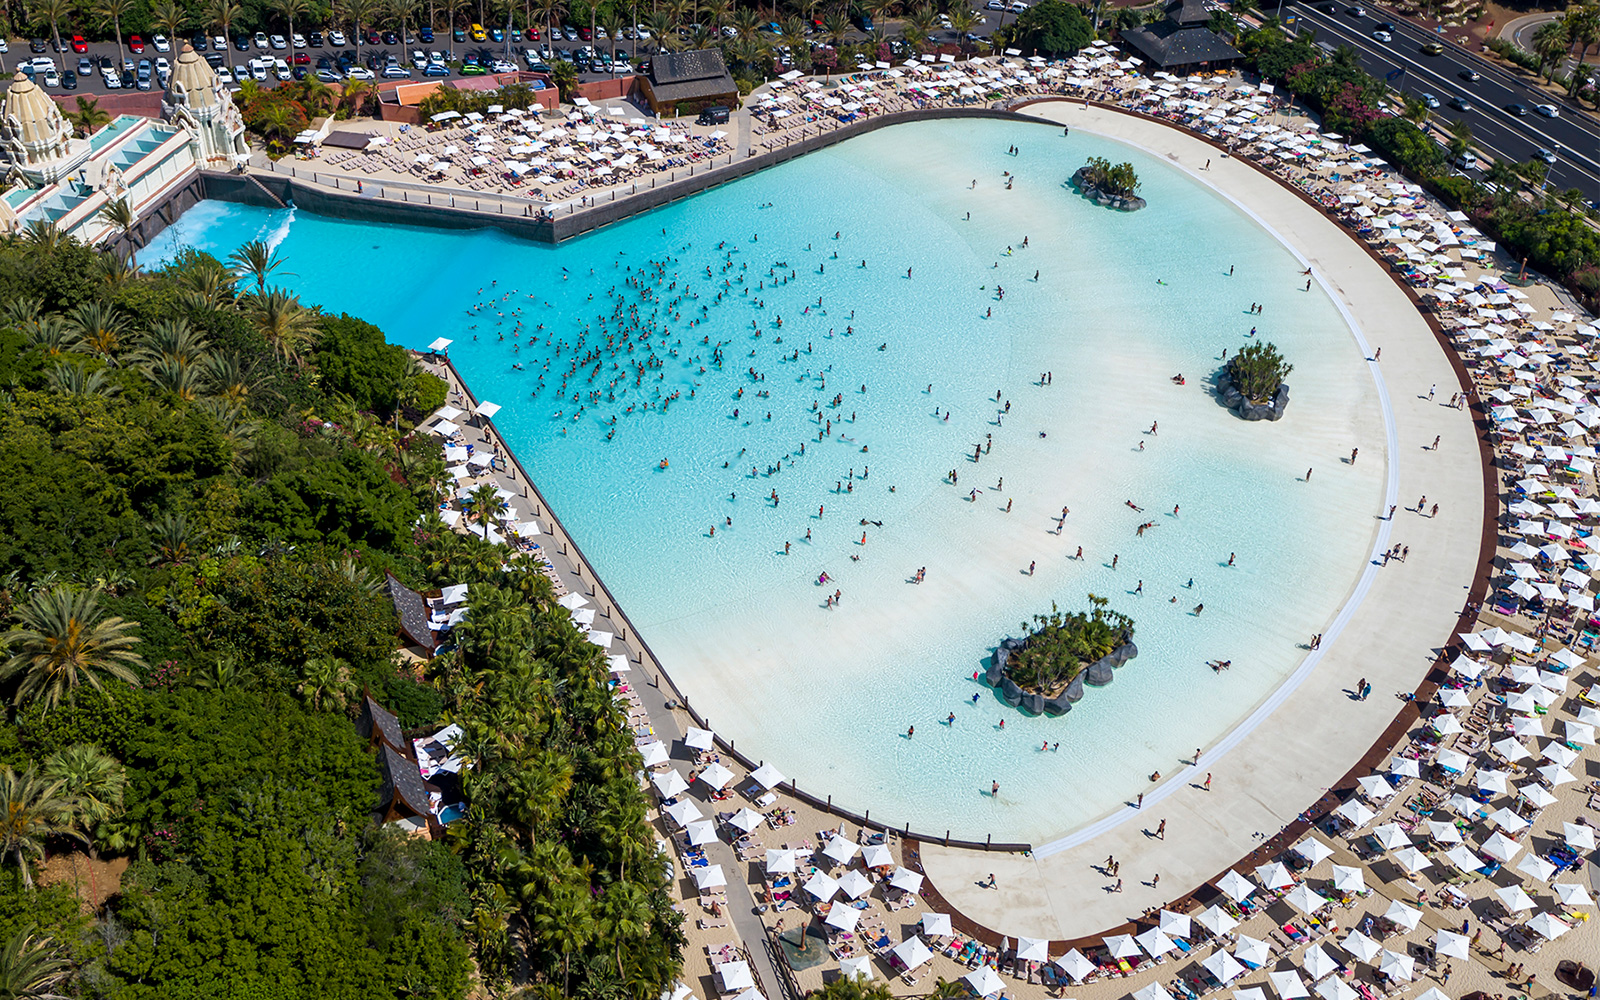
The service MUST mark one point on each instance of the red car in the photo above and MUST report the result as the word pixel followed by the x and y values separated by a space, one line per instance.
pixel 79 45
pixel 301 59
pixel 136 44
pixel 373 38
pixel 585 34
pixel 532 34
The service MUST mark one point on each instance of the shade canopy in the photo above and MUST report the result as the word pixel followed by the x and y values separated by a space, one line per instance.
pixel 1216 920
pixel 1175 924
pixel 669 783
pixel 1572 894
pixel 1405 916
pixel 937 924
pixel 984 981
pixel 1288 984
pixel 854 884
pixel 1152 992
pixel 876 856
pixel 684 811
pixel 1122 946
pixel 822 886
pixel 701 832
pixel 1252 951
pixel 1514 898
pixel 709 878
pixel 1312 849
pixel 906 879
pixel 699 739
pixel 780 862
pixel 1396 965
pixel 1274 876
pixel 1349 879
pixel 1223 966
pixel 1547 926
pixel 1075 965
pixel 1452 945
pixel 843 917
pixel 768 776
pixel 1154 942
pixel 735 976
pixel 717 776
pixel 1236 886
pixel 856 968
pixel 911 952
pixel 1033 949
pixel 1319 963
pixel 1360 946
pixel 747 819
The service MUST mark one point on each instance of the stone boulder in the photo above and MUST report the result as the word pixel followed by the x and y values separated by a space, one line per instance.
pixel 1099 673
pixel 1010 692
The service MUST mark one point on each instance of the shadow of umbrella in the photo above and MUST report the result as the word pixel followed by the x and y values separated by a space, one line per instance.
pixel 804 947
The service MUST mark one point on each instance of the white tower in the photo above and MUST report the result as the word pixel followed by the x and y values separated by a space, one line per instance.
pixel 36 137
pixel 197 100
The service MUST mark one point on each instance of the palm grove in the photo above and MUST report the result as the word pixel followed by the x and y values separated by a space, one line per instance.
pixel 204 483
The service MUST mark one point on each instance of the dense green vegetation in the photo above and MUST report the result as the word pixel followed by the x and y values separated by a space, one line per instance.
pixel 1258 370
pixel 1060 646
pixel 205 481
pixel 1546 228
pixel 1111 178
pixel 1053 28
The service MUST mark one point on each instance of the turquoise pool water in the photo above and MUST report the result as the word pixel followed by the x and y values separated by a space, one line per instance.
pixel 1122 302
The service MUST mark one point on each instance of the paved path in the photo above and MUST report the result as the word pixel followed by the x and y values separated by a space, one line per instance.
pixel 1262 779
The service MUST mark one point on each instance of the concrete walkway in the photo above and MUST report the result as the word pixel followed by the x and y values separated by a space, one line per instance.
pixel 1308 734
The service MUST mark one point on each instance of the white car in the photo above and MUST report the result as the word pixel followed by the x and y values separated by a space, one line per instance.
pixel 1018 7
pixel 501 66
pixel 1548 110
pixel 336 37
pixel 241 73
pixel 1383 36
pixel 52 78
pixel 644 33
pixel 280 69
pixel 219 43
pixel 358 73
pixel 161 43
pixel 419 59
pixel 1429 100
pixel 261 41
pixel 112 80
pixel 258 70
pixel 299 40
pixel 162 66
pixel 225 76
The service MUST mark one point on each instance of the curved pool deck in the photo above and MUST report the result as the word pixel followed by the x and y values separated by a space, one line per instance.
pixel 1304 738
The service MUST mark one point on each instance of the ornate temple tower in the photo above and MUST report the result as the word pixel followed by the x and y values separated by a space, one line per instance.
pixel 197 100
pixel 36 137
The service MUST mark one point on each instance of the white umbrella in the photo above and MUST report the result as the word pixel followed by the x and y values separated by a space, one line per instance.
pixel 856 968
pixel 1431 993
pixel 1216 920
pixel 1548 927
pixel 1334 988
pixel 1288 984
pixel 1514 898
pixel 1356 812
pixel 1412 859
pixel 1175 924
pixel 1501 846
pixel 1572 894
pixel 768 776
pixel 1463 858
pixel 1508 820
pixel 822 886
pixel 1405 767
pixel 669 783
pixel 1033 949
pixel 1236 886
pixel 937 924
pixel 1152 992
pixel 1391 836
pixel 1314 850
pixel 1319 963
pixel 709 878
pixel 1222 965
pixel 716 776
pixel 779 862
pixel 684 812
pixel 747 819
pixel 840 849
pixel 1443 833
pixel 1122 946
pixel 1305 899
pixel 1579 838
pixel 1555 774
pixel 1075 965
pixel 653 753
pixel 702 832
pixel 1396 965
pixel 1154 942
pixel 1274 876
pixel 877 856
pixel 1253 993
pixel 1452 945
pixel 699 739
pixel 843 917
pixel 1405 916
pixel 1560 753
pixel 1510 749
pixel 1361 946
pixel 1252 951
pixel 1536 866
pixel 906 880
pixel 1348 879
pixel 735 976
pixel 1528 726
pixel 1491 781
pixel 984 981
pixel 912 952
pixel 1375 787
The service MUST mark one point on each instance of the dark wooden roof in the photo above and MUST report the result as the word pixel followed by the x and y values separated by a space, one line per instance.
pixel 380 723
pixel 413 612
pixel 1170 45
pixel 687 76
pixel 404 791
pixel 1188 12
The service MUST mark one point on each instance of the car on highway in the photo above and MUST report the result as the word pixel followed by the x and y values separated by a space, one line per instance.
pixel 1545 155
pixel 1466 161
pixel 1357 11
pixel 1428 99
pixel 1385 26
pixel 1516 110
pixel 1470 75
pixel 1461 104
pixel 1383 36
pixel 1548 110
pixel 1432 49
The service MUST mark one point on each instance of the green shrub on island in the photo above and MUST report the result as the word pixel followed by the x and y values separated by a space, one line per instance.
pixel 1116 179
pixel 1060 646
pixel 1258 370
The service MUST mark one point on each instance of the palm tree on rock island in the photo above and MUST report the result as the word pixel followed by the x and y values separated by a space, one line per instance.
pixel 65 641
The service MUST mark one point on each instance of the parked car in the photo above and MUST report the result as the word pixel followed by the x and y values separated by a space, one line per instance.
pixel 161 43
pixel 1466 161
pixel 328 76
pixel 281 70
pixel 336 38
pixel 358 73
pixel 79 45
pixel 258 70
pixel 199 42
pixel 436 69
pixel 297 40
pixel 69 80
pixel 395 71
pixel 85 66
pixel 111 80
pixel 501 66
pixel 496 35
pixel 425 36
pixel 390 38
pixel 241 43
pixel 135 43
pixel 36 45
pixel 478 34
pixel 51 77
pixel 224 75
pixel 314 39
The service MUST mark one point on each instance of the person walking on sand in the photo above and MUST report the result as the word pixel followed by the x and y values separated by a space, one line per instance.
pixel 1161 830
pixel 1114 559
pixel 1208 781
pixel 1360 686
pixel 1118 886
pixel 1031 564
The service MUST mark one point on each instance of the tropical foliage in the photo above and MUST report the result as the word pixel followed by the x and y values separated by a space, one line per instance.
pixel 1053 28
pixel 1257 370
pixel 206 481
pixel 1112 178
pixel 1060 646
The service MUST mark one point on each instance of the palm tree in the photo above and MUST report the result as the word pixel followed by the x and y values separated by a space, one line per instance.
pixel 664 29
pixel 327 677
pixel 234 379
pixel 35 811
pixel 283 322
pixel 53 333
pixel 32 967
pixel 94 781
pixel 175 538
pixel 289 10
pixel 170 17
pixel 71 380
pixel 256 260
pixel 113 11
pixel 44 234
pixel 398 13
pixel 99 327
pixel 174 339
pixel 487 506
pixel 547 11
pixel 64 641
pixel 963 19
pixel 179 377
pixel 355 94
pixel 89 116
pixel 53 12
pixel 1583 27
pixel 918 25
pixel 223 13
pixel 1551 43
pixel 119 214
pixel 746 24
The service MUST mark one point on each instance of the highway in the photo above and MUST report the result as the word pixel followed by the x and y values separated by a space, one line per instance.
pixel 1573 137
